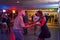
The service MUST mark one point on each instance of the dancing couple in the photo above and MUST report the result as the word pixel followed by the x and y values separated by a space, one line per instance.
pixel 19 25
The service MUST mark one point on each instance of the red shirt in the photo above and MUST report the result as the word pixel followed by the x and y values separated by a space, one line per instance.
pixel 42 23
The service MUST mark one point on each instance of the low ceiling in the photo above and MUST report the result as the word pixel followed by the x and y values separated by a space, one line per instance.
pixel 29 3
pixel 26 2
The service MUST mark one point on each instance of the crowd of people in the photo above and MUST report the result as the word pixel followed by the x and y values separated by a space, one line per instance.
pixel 21 24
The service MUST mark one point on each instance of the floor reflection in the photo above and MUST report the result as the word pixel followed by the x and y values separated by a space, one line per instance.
pixel 55 34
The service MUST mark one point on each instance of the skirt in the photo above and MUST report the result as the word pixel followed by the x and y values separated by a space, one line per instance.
pixel 45 33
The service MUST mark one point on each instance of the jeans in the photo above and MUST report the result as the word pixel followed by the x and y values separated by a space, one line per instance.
pixel 19 35
pixel 25 31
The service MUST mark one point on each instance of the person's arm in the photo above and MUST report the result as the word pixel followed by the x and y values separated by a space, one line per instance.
pixel 22 23
pixel 42 23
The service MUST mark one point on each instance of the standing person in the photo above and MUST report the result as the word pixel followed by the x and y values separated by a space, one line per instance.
pixel 47 17
pixel 35 18
pixel 19 25
pixel 25 19
pixel 3 28
pixel 6 19
pixel 45 33
pixel 1 24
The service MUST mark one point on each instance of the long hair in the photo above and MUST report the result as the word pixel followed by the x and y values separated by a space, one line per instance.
pixel 40 12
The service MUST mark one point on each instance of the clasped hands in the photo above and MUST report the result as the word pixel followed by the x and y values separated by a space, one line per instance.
pixel 29 24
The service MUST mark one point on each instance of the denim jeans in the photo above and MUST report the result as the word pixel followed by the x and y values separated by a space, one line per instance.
pixel 19 35
pixel 25 31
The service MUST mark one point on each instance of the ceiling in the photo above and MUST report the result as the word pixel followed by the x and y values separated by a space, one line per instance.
pixel 26 2
pixel 29 3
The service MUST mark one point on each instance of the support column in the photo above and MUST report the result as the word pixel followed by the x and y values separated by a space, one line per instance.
pixel 59 14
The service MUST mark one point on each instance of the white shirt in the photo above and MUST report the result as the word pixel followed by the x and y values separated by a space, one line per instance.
pixel 35 19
